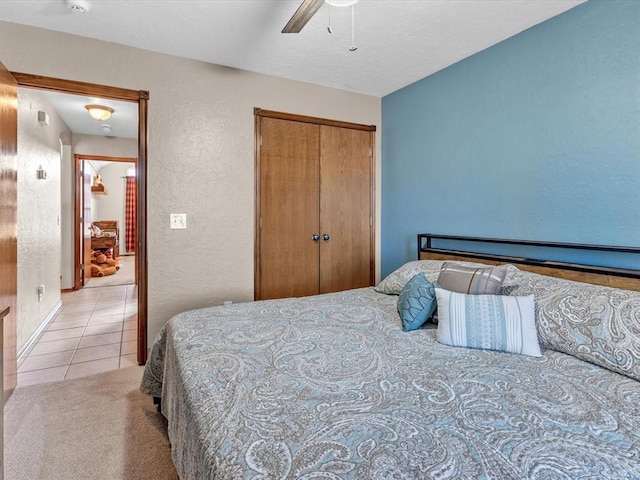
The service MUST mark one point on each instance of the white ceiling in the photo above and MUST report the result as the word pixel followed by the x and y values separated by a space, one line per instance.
pixel 123 121
pixel 399 41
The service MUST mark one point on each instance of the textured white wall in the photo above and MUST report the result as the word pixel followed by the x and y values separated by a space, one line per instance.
pixel 38 212
pixel 67 253
pixel 201 154
pixel 92 172
pixel 105 146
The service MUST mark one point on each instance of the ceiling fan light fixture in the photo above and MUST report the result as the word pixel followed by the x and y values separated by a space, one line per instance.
pixel 99 112
pixel 307 9
pixel 341 3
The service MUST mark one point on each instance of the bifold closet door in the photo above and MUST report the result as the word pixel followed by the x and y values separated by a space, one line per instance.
pixel 289 213
pixel 346 216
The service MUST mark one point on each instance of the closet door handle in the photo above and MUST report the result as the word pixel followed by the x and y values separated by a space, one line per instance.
pixel 315 237
pixel 325 237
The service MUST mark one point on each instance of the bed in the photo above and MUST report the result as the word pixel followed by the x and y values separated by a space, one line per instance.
pixel 332 387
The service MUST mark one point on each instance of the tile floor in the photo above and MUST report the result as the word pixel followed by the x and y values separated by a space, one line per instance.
pixel 94 331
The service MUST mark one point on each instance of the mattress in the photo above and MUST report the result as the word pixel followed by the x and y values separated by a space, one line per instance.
pixel 331 387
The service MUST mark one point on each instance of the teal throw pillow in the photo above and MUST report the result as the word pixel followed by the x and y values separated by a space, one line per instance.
pixel 417 302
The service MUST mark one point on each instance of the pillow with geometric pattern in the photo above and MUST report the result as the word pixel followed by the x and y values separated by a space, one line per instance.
pixel 417 302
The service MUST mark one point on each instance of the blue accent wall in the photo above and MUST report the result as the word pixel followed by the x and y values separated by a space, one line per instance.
pixel 535 138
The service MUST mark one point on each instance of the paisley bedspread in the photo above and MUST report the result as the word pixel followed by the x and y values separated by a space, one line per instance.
pixel 331 387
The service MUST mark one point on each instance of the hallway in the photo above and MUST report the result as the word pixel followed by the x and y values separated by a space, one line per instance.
pixel 94 331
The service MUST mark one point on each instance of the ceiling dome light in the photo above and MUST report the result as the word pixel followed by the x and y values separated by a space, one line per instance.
pixel 78 6
pixel 99 112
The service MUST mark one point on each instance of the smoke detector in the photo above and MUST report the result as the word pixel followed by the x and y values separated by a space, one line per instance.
pixel 78 6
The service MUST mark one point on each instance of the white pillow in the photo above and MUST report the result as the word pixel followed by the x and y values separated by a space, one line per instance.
pixel 491 322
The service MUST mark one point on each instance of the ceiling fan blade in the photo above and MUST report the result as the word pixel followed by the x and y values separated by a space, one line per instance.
pixel 306 10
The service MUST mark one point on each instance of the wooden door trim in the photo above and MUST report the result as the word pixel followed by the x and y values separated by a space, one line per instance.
pixel 103 158
pixel 141 220
pixel 77 232
pixel 258 192
pixel 258 112
pixel 372 159
pixel 141 97
pixel 73 87
pixel 8 230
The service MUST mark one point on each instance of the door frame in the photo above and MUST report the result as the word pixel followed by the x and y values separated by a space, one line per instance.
pixel 141 97
pixel 83 255
pixel 77 210
pixel 8 232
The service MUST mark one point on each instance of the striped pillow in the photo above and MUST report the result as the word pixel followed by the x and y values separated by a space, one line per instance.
pixel 491 322
pixel 475 280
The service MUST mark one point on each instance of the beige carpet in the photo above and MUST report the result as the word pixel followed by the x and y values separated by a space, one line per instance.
pixel 98 427
pixel 124 276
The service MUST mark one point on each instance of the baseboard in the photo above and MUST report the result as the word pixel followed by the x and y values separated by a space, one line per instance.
pixel 39 330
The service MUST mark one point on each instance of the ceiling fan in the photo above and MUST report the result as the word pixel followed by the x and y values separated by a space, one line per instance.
pixel 303 14
pixel 308 9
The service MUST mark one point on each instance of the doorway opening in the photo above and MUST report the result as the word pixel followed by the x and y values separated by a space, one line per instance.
pixel 141 99
pixel 105 221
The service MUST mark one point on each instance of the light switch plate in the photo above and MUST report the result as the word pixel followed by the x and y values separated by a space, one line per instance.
pixel 177 220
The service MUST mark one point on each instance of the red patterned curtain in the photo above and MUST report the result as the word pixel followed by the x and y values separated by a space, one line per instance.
pixel 130 215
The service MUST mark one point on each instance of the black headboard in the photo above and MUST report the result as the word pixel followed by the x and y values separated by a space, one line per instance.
pixel 469 248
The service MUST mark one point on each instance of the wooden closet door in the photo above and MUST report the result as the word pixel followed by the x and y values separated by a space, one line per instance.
pixel 289 206
pixel 345 209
